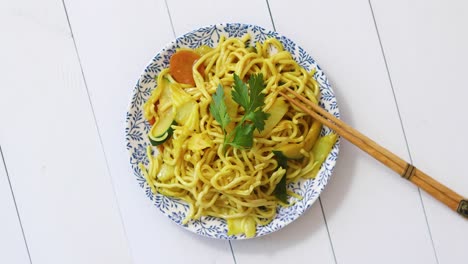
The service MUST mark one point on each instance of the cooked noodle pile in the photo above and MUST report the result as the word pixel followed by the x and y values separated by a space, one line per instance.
pixel 234 184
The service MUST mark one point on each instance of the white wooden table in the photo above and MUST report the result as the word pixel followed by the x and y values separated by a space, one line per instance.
pixel 67 69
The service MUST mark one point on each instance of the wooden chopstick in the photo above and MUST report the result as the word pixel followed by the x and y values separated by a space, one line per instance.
pixel 442 193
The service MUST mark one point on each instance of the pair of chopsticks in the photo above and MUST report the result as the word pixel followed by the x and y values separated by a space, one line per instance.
pixel 442 193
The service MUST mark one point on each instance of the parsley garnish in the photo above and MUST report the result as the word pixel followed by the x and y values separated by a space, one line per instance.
pixel 218 108
pixel 252 100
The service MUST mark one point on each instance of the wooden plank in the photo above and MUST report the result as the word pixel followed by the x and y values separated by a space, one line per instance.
pixel 426 53
pixel 289 244
pixel 189 16
pixel 115 42
pixel 49 139
pixel 373 215
pixel 11 237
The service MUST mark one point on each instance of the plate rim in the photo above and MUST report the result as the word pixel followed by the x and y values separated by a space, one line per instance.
pixel 175 43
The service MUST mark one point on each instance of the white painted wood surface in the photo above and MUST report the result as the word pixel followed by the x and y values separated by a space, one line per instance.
pixel 111 65
pixel 427 61
pixel 14 249
pixel 68 69
pixel 362 194
pixel 50 143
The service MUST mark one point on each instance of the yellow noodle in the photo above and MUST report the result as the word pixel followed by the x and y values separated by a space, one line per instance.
pixel 226 182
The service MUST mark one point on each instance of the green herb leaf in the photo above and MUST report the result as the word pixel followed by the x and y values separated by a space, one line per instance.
pixel 258 118
pixel 243 136
pixel 252 102
pixel 218 108
pixel 240 94
pixel 257 98
pixel 280 191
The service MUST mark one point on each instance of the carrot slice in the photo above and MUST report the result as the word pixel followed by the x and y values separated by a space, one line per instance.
pixel 181 64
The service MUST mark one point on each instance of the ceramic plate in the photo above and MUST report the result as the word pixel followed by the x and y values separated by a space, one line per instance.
pixel 137 129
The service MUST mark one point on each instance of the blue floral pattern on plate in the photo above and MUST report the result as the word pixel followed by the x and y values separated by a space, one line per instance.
pixel 137 129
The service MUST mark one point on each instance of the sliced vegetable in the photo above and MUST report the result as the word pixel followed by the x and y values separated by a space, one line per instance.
pixel 185 112
pixel 181 65
pixel 165 99
pixel 199 142
pixel 149 106
pixel 291 151
pixel 276 112
pixel 186 108
pixel 178 96
pixel 193 120
pixel 312 135
pixel 174 106
pixel 321 150
pixel 245 225
pixel 162 129
pixel 166 172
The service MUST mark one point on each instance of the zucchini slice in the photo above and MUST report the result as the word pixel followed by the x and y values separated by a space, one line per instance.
pixel 162 129
pixel 176 107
